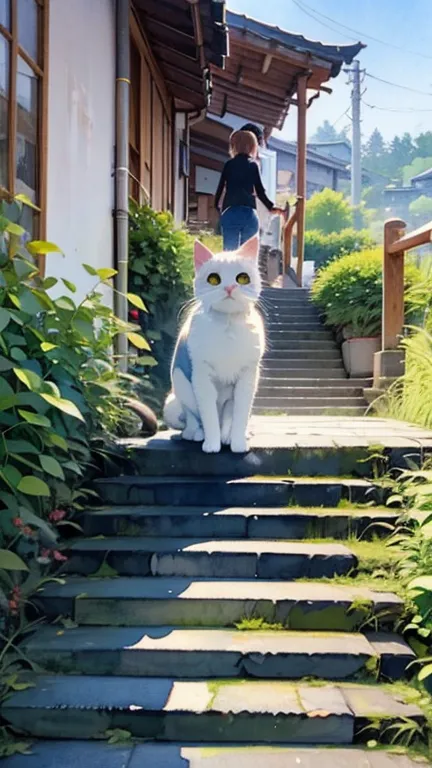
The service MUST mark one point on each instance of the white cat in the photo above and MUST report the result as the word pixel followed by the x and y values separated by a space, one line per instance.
pixel 215 368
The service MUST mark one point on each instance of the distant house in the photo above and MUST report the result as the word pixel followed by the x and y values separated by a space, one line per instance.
pixel 341 150
pixel 423 182
pixel 398 199
pixel 322 169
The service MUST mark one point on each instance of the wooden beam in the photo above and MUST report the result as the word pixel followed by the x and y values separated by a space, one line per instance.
pixel 268 58
pixel 224 76
pixel 301 172
pixel 393 311
pixel 275 103
pixel 420 236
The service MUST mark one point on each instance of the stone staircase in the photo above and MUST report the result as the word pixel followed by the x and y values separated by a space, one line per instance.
pixel 217 617
pixel 303 372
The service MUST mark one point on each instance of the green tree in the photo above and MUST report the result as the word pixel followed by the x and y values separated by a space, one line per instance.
pixel 375 146
pixel 328 211
pixel 418 165
pixel 421 209
pixel 424 144
pixel 401 153
pixel 327 132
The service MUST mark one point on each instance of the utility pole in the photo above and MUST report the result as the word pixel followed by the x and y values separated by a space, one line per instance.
pixel 356 171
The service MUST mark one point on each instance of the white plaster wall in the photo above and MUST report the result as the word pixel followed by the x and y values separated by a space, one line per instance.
pixel 81 109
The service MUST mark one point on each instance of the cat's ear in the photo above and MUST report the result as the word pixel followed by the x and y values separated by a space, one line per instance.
pixel 250 249
pixel 201 255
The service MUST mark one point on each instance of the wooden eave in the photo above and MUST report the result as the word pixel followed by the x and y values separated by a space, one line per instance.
pixel 261 75
pixel 185 39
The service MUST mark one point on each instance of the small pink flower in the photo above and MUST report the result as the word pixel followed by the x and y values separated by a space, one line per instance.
pixel 18 522
pixel 56 515
pixel 58 556
pixel 27 531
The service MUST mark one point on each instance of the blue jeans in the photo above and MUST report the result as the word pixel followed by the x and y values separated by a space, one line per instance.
pixel 239 223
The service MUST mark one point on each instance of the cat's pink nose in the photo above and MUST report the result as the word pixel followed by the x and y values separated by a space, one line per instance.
pixel 229 289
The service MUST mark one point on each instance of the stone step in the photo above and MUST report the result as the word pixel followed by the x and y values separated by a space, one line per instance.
pixel 267 382
pixel 306 391
pixel 233 492
pixel 310 605
pixel 281 334
pixel 309 401
pixel 190 653
pixel 238 522
pixel 327 410
pixel 316 367
pixel 314 355
pixel 274 451
pixel 295 325
pixel 301 344
pixel 97 754
pixel 163 709
pixel 194 557
pixel 302 369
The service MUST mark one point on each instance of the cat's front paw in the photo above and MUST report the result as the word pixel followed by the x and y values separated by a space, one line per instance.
pixel 211 446
pixel 239 445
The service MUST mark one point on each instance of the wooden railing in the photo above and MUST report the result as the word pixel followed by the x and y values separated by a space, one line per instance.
pixel 389 362
pixel 396 244
pixel 287 241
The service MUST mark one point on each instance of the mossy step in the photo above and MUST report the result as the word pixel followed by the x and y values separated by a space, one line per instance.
pixel 217 558
pixel 186 653
pixel 90 754
pixel 203 602
pixel 239 522
pixel 220 712
pixel 273 453
pixel 241 492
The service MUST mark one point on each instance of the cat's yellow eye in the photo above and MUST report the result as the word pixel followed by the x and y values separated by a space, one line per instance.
pixel 214 279
pixel 243 278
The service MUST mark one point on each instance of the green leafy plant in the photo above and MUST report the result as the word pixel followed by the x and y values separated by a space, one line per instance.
pixel 349 292
pixel 409 398
pixel 60 395
pixel 161 272
pixel 322 248
pixel 328 211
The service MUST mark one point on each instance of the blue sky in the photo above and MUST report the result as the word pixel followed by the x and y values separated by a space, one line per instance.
pixel 403 23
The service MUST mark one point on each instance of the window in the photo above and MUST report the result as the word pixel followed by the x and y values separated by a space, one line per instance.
pixel 23 60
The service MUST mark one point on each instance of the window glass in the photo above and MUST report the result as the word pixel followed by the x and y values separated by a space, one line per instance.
pixel 28 11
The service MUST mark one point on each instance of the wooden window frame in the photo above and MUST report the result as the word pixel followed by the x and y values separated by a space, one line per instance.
pixel 41 70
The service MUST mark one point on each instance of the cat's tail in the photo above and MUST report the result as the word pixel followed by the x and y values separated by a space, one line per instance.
pixel 173 412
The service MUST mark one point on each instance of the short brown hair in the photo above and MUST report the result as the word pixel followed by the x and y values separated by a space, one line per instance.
pixel 243 143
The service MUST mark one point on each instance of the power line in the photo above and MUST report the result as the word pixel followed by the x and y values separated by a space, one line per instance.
pixel 301 4
pixel 390 109
pixel 397 85
pixel 296 2
pixel 341 116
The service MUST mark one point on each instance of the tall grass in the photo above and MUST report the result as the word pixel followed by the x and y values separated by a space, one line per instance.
pixel 410 397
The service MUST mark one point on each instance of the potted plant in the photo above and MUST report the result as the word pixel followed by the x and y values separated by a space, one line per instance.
pixel 348 291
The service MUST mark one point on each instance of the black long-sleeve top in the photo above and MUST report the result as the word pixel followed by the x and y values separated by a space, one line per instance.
pixel 242 180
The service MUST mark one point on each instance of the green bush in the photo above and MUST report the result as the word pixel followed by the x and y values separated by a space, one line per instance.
pixel 349 292
pixel 161 271
pixel 59 391
pixel 322 248
pixel 328 211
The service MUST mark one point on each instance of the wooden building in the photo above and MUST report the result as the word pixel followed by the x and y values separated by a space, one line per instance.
pixel 268 72
pixel 59 112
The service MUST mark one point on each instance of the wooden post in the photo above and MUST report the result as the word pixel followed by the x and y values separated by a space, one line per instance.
pixel 301 172
pixel 393 286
